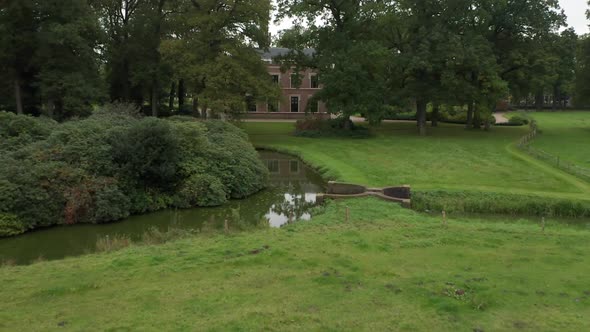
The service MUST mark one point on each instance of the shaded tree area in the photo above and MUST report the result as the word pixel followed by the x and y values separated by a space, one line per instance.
pixel 63 58
pixel 378 57
pixel 48 57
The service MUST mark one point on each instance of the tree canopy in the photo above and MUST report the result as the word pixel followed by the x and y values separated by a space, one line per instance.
pixel 374 57
pixel 61 58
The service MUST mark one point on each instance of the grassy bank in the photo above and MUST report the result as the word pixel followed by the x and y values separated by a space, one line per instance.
pixel 499 203
pixel 387 268
pixel 564 134
pixel 449 158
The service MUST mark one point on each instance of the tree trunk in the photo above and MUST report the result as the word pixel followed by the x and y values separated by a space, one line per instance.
pixel 435 114
pixel 469 115
pixel 421 116
pixel 155 99
pixel 126 84
pixel 181 95
pixel 157 58
pixel 172 95
pixel 555 98
pixel 196 112
pixel 18 97
pixel 51 109
pixel 539 100
pixel 204 113
pixel 487 123
pixel 476 117
pixel 59 110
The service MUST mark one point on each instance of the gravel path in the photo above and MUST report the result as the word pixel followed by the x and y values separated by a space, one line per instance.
pixel 501 118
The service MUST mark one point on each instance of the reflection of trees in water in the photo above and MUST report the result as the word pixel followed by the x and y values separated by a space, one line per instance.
pixel 294 204
pixel 289 197
pixel 236 218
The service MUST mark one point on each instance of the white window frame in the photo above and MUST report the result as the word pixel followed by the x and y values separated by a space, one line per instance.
pixel 276 74
pixel 255 104
pixel 298 166
pixel 310 82
pixel 318 107
pixel 278 107
pixel 291 82
pixel 278 171
pixel 298 103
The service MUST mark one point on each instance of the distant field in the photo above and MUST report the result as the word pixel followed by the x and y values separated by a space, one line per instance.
pixel 449 158
pixel 565 134
pixel 386 269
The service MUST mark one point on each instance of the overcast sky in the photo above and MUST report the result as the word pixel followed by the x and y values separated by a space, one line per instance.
pixel 574 9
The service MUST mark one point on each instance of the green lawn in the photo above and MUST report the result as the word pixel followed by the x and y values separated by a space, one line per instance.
pixel 386 269
pixel 449 158
pixel 565 134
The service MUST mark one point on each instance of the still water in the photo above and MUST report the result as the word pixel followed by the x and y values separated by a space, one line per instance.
pixel 290 196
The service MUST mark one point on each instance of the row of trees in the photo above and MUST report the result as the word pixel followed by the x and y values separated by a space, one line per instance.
pixel 60 57
pixel 63 57
pixel 373 55
pixel 582 84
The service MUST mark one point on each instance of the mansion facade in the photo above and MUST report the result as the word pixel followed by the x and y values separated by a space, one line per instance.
pixel 295 99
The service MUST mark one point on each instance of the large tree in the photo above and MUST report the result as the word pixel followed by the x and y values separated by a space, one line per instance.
pixel 48 54
pixel 133 30
pixel 67 58
pixel 582 80
pixel 19 24
pixel 349 56
pixel 213 49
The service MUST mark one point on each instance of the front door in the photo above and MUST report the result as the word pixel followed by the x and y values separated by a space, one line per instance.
pixel 294 104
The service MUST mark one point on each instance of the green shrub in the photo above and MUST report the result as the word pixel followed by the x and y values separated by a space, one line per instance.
pixel 231 158
pixel 115 163
pixel 201 190
pixel 17 131
pixel 111 204
pixel 10 225
pixel 511 204
pixel 315 127
pixel 147 151
pixel 447 114
pixel 518 120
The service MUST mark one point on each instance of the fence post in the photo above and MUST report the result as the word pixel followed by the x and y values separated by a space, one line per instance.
pixel 347 214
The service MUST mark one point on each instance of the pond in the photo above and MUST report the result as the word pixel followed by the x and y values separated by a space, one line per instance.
pixel 290 196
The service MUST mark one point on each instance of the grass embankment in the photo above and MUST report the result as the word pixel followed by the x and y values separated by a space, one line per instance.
pixel 565 135
pixel 387 268
pixel 449 159
pixel 561 141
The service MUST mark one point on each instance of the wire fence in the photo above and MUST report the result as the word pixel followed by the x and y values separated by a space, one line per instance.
pixel 525 145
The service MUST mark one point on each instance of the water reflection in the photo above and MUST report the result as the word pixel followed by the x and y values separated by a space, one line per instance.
pixel 290 196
